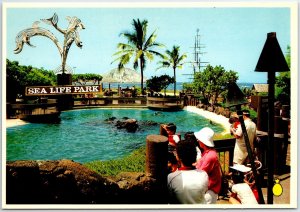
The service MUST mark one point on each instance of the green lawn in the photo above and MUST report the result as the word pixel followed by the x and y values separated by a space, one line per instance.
pixel 135 162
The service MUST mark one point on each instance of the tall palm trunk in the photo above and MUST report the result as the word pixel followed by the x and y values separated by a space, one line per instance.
pixel 174 81
pixel 142 74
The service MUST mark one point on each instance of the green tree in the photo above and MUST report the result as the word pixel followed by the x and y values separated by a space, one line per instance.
pixel 156 84
pixel 174 60
pixel 283 82
pixel 138 47
pixel 18 77
pixel 188 87
pixel 212 81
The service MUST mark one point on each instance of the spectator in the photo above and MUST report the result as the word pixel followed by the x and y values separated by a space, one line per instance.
pixel 241 192
pixel 170 130
pixel 187 185
pixel 189 136
pixel 240 149
pixel 209 163
pixel 234 121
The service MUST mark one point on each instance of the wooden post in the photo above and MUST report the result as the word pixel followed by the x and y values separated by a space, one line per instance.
pixel 101 89
pixel 250 155
pixel 157 157
pixel 270 156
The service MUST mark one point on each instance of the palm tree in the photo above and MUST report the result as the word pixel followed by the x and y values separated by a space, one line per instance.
pixel 173 59
pixel 138 47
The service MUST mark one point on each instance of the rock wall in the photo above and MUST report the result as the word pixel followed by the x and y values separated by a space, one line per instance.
pixel 68 182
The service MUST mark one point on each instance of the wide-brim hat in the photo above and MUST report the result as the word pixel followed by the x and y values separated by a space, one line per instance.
pixel 240 167
pixel 205 135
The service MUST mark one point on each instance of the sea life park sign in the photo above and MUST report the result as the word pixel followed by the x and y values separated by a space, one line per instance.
pixel 59 90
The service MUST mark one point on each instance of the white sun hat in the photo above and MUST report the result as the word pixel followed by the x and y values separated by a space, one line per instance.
pixel 205 135
pixel 241 168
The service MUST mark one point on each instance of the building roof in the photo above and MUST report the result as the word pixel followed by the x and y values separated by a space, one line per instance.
pixel 261 88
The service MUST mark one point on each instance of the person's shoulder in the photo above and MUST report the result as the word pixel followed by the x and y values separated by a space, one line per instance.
pixel 174 174
pixel 212 154
pixel 201 172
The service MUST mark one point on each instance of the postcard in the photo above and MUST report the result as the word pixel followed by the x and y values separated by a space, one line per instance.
pixel 149 105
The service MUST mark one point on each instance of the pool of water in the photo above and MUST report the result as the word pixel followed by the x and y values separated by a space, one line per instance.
pixel 85 135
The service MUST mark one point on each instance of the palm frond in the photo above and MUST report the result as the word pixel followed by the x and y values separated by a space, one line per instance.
pixel 150 40
pixel 149 55
pixel 156 53
pixel 182 57
pixel 124 46
pixel 125 58
pixel 122 52
pixel 131 37
pixel 158 44
pixel 163 64
pixel 138 55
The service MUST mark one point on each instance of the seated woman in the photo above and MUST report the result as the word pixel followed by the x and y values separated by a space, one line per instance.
pixel 241 191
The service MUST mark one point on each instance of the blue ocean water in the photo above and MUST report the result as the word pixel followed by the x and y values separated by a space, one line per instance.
pixel 84 135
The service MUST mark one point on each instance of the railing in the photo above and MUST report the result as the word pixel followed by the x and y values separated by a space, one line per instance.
pixel 167 103
pixel 225 149
pixel 31 108
pixel 108 101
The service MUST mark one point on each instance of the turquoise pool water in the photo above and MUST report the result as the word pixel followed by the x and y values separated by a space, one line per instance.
pixel 84 135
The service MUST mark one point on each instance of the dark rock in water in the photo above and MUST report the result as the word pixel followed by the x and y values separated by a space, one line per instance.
pixel 111 119
pixel 129 124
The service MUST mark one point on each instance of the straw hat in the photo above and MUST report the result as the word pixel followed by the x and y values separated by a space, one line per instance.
pixel 205 135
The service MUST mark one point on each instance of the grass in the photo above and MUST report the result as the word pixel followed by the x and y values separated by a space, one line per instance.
pixel 135 162
pixel 219 136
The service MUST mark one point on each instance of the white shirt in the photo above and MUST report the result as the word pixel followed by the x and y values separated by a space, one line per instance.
pixel 188 186
pixel 240 149
pixel 244 193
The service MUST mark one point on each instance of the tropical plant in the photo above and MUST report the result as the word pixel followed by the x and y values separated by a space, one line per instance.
pixel 138 47
pixel 174 60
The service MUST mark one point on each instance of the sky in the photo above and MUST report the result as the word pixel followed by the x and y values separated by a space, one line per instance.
pixel 231 36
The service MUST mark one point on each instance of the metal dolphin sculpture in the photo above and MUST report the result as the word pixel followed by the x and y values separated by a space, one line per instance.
pixel 71 35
